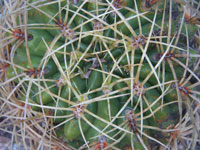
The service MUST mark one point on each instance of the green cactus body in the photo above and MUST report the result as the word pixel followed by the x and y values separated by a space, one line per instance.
pixel 164 123
pixel 45 97
pixel 95 7
pixel 35 16
pixel 134 22
pixel 95 80
pixel 77 83
pixel 104 114
pixel 151 96
pixel 31 100
pixel 95 76
pixel 37 46
pixel 21 60
pixel 119 86
pixel 58 113
pixel 72 128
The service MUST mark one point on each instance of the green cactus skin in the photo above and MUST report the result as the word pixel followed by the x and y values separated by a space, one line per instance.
pixel 31 100
pixel 38 47
pixel 77 82
pixel 45 97
pixel 59 113
pixel 95 80
pixel 104 114
pixel 134 22
pixel 21 60
pixel 88 64
pixel 72 129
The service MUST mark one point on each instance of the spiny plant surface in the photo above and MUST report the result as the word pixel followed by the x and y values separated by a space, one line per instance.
pixel 100 74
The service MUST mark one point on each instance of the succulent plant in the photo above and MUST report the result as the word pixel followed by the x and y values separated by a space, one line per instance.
pixel 101 74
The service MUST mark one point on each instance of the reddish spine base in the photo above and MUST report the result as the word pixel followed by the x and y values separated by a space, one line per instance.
pixel 101 143
pixel 167 56
pixel 192 20
pixel 117 3
pixel 35 72
pixel 149 3
pixel 18 34
pixel 184 89
pixel 3 68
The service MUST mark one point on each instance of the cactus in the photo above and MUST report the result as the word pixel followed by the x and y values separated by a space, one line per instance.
pixel 107 74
